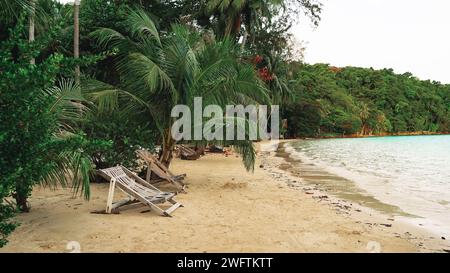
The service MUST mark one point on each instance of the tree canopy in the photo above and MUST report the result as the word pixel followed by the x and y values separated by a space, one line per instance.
pixel 365 101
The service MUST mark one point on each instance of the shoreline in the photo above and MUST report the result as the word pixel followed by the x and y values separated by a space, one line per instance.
pixel 278 162
pixel 370 136
pixel 226 209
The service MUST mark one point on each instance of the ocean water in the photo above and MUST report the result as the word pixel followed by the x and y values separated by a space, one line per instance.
pixel 408 176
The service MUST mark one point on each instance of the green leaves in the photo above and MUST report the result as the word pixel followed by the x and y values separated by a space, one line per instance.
pixel 40 141
pixel 67 102
pixel 140 72
pixel 159 72
pixel 365 101
pixel 142 26
pixel 6 225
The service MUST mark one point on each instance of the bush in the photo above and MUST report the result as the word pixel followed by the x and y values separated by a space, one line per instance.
pixel 35 146
pixel 126 135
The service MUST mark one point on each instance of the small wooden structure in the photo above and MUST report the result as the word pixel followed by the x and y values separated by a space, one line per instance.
pixel 139 191
pixel 154 166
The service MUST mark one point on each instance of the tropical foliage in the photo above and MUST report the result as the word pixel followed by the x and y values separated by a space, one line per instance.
pixel 39 142
pixel 158 73
pixel 362 101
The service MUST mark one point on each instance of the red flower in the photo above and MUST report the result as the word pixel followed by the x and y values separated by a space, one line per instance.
pixel 258 59
pixel 265 75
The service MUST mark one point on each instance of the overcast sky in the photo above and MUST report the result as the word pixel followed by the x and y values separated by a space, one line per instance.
pixel 406 35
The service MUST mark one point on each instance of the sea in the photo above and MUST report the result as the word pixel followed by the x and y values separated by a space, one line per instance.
pixel 404 176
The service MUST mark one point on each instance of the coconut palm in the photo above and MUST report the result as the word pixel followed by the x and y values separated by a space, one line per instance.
pixel 10 9
pixel 364 114
pixel 161 71
pixel 76 37
pixel 280 93
pixel 231 14
pixel 70 162
pixel 31 28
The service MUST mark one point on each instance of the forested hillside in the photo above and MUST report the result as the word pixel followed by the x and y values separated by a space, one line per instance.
pixel 335 101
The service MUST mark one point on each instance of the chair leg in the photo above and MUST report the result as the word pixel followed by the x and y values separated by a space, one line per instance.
pixel 112 185
pixel 149 172
pixel 172 208
pixel 157 209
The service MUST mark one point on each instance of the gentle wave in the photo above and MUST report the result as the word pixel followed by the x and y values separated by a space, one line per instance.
pixel 412 173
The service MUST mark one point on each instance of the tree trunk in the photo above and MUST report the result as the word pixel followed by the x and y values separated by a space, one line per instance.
pixel 167 149
pixel 244 40
pixel 76 37
pixel 31 27
pixel 21 196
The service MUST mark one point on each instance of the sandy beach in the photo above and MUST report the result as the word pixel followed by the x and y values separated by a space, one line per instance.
pixel 226 210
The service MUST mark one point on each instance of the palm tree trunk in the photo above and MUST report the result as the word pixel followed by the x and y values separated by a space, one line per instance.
pixel 237 24
pixel 31 27
pixel 76 37
pixel 244 40
pixel 167 149
pixel 21 195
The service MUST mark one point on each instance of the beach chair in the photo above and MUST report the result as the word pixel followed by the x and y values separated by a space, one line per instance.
pixel 187 153
pixel 156 167
pixel 140 192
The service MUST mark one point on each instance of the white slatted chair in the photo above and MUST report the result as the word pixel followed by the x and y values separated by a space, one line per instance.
pixel 139 191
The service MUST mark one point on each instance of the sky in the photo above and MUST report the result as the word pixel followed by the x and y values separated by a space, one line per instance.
pixel 406 35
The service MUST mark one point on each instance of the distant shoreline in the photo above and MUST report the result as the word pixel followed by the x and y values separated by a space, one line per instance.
pixel 423 133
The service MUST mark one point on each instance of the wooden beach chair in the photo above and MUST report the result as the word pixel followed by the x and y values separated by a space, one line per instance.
pixel 187 153
pixel 154 166
pixel 140 192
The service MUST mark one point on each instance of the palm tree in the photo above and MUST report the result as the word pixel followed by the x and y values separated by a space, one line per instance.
pixel 10 9
pixel 280 92
pixel 159 72
pixel 76 37
pixel 231 14
pixel 31 24
pixel 364 114
pixel 72 162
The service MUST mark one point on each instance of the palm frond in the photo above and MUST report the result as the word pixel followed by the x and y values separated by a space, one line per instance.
pixel 142 25
pixel 67 102
pixel 181 64
pixel 247 150
pixel 141 74
pixel 108 98
pixel 68 164
pixel 111 39
pixel 103 95
pixel 82 169
pixel 10 9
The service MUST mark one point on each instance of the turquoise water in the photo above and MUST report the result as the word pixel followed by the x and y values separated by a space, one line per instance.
pixel 412 173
